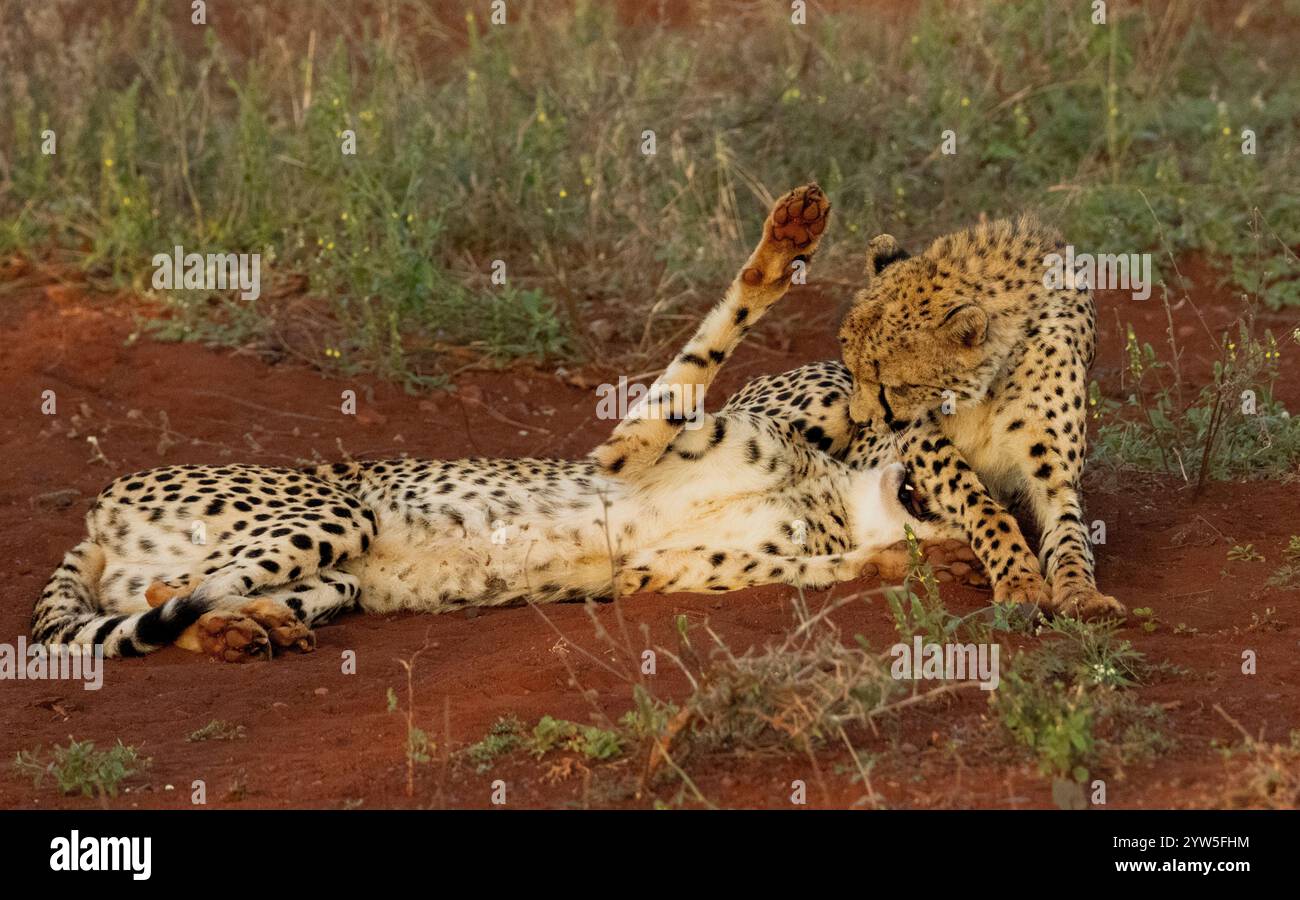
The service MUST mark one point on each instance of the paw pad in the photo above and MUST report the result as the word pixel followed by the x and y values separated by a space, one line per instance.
pixel 799 218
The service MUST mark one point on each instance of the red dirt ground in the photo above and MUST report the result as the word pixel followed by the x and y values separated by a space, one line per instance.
pixel 315 737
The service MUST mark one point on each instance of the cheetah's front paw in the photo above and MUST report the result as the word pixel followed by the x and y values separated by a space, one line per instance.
pixel 1023 589
pixel 1085 602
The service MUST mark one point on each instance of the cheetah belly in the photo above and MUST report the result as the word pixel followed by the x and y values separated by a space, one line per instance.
pixel 466 554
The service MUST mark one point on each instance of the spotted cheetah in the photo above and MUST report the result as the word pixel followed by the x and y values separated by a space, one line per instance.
pixel 960 363
pixel 237 560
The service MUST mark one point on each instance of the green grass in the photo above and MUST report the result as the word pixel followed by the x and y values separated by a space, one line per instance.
pixel 1233 428
pixel 1068 702
pixel 508 734
pixel 80 768
pixel 521 143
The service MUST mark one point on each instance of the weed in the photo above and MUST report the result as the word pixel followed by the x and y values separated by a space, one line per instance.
pixel 419 747
pixel 1066 701
pixel 1233 429
pixel 560 734
pixel 1288 574
pixel 79 767
pixel 1245 553
pixel 1261 775
pixel 524 145
pixel 217 730
pixel 505 736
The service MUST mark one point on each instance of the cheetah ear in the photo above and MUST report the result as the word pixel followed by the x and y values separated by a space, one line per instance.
pixel 966 325
pixel 883 251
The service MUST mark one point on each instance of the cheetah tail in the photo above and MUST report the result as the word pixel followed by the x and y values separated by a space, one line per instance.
pixel 68 611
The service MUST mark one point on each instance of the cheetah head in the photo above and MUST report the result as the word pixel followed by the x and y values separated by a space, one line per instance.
pixel 913 339
pixel 886 502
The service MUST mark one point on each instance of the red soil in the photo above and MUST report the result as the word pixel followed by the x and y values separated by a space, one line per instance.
pixel 315 737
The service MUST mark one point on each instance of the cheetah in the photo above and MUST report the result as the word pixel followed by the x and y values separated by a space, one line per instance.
pixel 737 499
pixel 962 364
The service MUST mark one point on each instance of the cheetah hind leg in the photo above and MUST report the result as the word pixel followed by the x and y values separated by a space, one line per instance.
pixel 250 628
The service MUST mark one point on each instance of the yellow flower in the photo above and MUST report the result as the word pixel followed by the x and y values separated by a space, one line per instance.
pixel 335 101
pixel 1226 130
pixel 108 164
pixel 563 193
pixel 126 201
pixel 587 181
pixel 343 216
pixel 541 117
pixel 329 246
pixel 410 217
pixel 965 101
pixel 366 115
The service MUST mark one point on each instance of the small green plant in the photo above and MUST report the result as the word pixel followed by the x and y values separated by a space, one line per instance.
pixel 505 736
pixel 1067 702
pixel 508 734
pixel 419 748
pixel 1147 617
pixel 1288 574
pixel 1245 553
pixel 1092 653
pixel 79 767
pixel 560 734
pixel 920 613
pixel 1054 720
pixel 1234 428
pixel 217 730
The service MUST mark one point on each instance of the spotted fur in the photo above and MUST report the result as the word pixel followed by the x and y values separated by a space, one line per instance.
pixel 740 500
pixel 961 363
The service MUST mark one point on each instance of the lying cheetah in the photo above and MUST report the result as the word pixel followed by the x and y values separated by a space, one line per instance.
pixel 962 364
pixel 740 500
